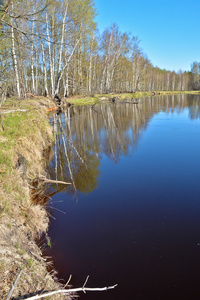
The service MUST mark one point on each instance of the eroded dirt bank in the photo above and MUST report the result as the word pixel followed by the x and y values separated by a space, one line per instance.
pixel 26 135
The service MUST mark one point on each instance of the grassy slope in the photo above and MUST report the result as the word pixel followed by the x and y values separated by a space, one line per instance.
pixel 28 133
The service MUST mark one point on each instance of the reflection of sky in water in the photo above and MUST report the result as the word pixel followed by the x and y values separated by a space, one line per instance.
pixel 140 226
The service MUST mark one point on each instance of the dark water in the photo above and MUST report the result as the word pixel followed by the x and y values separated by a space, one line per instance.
pixel 133 209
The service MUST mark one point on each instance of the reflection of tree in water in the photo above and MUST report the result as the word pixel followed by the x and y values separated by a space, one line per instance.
pixel 177 103
pixel 84 133
pixel 194 109
pixel 72 161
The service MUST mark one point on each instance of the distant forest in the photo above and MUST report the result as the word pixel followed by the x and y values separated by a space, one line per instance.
pixel 54 47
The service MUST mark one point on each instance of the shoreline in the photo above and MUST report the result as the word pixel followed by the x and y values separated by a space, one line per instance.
pixel 84 100
pixel 26 136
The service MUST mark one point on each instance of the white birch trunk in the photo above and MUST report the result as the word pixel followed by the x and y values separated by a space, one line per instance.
pixel 50 58
pixel 94 74
pixel 15 62
pixel 90 75
pixel 53 47
pixel 66 89
pixel 65 66
pixel 25 80
pixel 106 64
pixel 173 83
pixel 45 72
pixel 36 69
pixel 32 63
pixel 90 67
pixel 108 79
pixel 103 76
pixel 62 39
pixel 61 51
pixel 113 63
pixel 79 68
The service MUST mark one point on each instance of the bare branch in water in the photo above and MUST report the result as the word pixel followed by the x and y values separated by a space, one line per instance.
pixel 63 291
pixel 73 290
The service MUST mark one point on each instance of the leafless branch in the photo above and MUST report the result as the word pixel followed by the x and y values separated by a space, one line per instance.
pixel 28 34
pixel 73 290
pixel 26 16
pixel 70 277
pixel 14 285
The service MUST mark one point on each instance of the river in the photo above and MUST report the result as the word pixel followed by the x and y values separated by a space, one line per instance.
pixel 132 213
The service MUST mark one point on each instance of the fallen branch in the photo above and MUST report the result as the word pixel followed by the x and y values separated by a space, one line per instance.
pixel 12 110
pixel 75 290
pixel 14 285
pixel 52 181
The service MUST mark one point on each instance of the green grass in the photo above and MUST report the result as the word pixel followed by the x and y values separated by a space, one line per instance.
pixel 21 251
pixel 9 225
pixel 49 242
pixel 122 96
pixel 2 265
pixel 24 133
pixel 30 262
pixel 16 244
pixel 83 100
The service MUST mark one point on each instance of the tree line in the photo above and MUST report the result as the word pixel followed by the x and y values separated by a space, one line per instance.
pixel 50 47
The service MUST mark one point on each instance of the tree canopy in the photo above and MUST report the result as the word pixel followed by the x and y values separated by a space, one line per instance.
pixel 50 47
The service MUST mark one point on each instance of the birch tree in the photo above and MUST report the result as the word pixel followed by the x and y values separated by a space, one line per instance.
pixel 114 44
pixel 50 56
pixel 53 48
pixel 15 60
pixel 136 60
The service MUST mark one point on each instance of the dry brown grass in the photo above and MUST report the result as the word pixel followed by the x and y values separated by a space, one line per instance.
pixel 27 133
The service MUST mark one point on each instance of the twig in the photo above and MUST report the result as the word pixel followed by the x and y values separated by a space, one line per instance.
pixel 5 11
pixel 14 285
pixel 85 282
pixel 82 289
pixel 63 212
pixel 70 277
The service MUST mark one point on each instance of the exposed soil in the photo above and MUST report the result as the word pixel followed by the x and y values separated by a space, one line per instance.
pixel 22 221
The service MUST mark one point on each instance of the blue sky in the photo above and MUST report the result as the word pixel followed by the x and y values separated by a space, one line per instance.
pixel 169 30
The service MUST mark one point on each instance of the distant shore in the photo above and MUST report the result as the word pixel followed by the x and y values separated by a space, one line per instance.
pixel 82 100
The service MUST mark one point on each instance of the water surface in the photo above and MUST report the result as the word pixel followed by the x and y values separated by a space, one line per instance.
pixel 133 209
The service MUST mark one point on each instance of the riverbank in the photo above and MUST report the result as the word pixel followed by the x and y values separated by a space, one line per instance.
pixel 80 100
pixel 24 142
